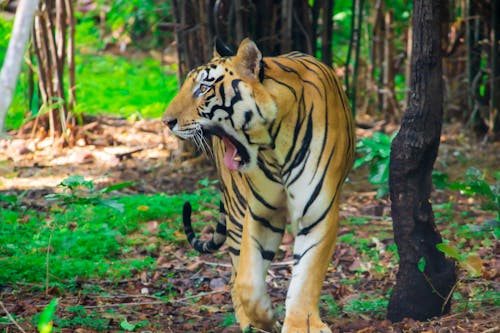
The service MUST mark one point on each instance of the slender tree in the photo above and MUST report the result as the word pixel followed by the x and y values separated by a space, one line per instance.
pixel 15 54
pixel 420 294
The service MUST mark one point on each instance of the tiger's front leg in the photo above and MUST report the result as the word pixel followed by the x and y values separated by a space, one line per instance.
pixel 313 249
pixel 261 238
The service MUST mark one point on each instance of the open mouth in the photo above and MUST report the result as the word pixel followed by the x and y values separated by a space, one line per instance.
pixel 236 155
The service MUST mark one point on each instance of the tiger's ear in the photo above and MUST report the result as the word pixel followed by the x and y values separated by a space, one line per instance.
pixel 221 49
pixel 248 59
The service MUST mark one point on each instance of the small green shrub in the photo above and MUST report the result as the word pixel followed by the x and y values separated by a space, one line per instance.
pixel 375 152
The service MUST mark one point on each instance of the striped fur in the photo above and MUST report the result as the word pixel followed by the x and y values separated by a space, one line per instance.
pixel 283 142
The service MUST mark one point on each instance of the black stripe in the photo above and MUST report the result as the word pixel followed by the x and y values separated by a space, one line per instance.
pixel 304 231
pixel 265 223
pixel 257 195
pixel 304 146
pixel 234 251
pixel 318 186
pixel 269 174
pixel 298 174
pixel 286 68
pixel 298 257
pixel 296 132
pixel 283 84
pixel 266 255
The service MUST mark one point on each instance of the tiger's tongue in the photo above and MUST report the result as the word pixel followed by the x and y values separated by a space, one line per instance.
pixel 230 154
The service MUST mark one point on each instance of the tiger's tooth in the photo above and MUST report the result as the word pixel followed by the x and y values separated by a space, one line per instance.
pixel 237 158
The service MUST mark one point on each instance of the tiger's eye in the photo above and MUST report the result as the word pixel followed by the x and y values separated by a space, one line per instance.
pixel 203 88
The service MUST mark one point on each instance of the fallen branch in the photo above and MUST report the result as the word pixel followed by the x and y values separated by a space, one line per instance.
pixel 11 318
pixel 492 330
pixel 180 300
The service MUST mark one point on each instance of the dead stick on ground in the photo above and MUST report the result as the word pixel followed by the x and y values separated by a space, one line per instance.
pixel 492 330
pixel 11 318
pixel 155 302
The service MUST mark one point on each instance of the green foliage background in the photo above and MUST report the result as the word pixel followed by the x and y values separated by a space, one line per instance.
pixel 132 84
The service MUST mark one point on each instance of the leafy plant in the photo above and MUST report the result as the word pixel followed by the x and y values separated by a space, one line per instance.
pixel 475 184
pixel 332 308
pixel 127 326
pixel 13 201
pixel 80 317
pixel 229 320
pixel 375 152
pixel 46 318
pixel 472 263
pixel 375 305
pixel 79 191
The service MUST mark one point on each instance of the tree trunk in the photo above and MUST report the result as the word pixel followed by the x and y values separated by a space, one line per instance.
pixel 494 123
pixel 419 295
pixel 15 54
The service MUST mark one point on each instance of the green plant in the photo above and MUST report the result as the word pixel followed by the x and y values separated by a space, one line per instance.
pixel 371 304
pixel 472 263
pixel 78 191
pixel 12 201
pixel 229 320
pixel 475 184
pixel 80 317
pixel 45 322
pixel 130 327
pixel 331 306
pixel 375 152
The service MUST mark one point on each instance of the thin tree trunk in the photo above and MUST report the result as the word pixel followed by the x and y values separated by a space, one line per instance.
pixel 409 51
pixel 71 54
pixel 494 122
pixel 326 35
pixel 473 36
pixel 351 45
pixel 390 103
pixel 420 295
pixel 378 52
pixel 15 54
pixel 359 25
pixel 286 28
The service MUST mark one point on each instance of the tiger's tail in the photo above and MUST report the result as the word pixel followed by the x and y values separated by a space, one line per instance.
pixel 209 246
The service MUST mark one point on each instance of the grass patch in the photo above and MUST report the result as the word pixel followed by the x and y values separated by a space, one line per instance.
pixel 132 87
pixel 88 240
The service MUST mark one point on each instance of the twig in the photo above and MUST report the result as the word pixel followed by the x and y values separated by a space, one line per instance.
pixel 180 300
pixel 492 330
pixel 197 295
pixel 11 318
pixel 449 295
pixel 47 261
pixel 282 263
pixel 216 264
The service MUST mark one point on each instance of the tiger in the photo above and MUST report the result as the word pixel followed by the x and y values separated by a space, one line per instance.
pixel 282 136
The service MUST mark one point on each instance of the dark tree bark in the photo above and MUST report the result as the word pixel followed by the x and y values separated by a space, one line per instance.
pixel 420 295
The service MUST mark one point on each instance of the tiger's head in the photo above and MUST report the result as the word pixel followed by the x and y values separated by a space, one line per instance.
pixel 226 98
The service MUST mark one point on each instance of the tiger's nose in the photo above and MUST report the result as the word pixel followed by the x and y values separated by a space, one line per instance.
pixel 170 121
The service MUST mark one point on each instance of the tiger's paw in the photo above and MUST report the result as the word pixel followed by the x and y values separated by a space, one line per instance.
pixel 294 326
pixel 257 314
pixel 251 329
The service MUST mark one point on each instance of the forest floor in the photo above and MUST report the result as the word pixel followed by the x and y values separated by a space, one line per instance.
pixel 358 281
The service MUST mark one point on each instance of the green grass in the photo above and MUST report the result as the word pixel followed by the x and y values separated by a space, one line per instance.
pixel 88 240
pixel 127 87
pixel 137 87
